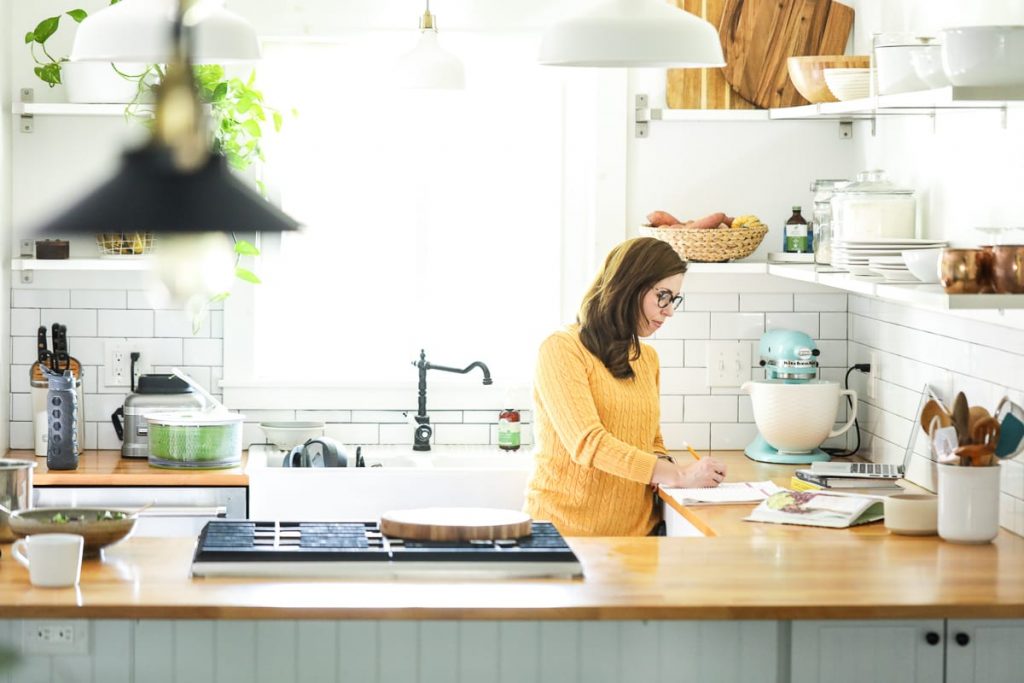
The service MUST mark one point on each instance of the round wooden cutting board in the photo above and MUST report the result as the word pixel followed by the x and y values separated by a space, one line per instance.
pixel 455 524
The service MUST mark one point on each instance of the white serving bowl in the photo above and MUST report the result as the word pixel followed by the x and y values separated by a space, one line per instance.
pixel 923 264
pixel 927 63
pixel 287 434
pixel 798 417
pixel 895 71
pixel 912 514
pixel 984 55
pixel 848 84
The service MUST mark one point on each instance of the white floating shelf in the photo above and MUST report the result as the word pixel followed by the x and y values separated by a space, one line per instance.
pixel 731 268
pixel 927 296
pixel 922 101
pixel 67 109
pixel 115 263
pixel 709 115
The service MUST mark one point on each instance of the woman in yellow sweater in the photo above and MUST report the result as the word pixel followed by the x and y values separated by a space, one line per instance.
pixel 596 397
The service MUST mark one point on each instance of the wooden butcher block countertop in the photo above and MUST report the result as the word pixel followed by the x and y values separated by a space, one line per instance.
pixel 108 468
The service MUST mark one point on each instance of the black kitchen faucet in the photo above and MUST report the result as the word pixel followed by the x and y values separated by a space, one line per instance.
pixel 421 437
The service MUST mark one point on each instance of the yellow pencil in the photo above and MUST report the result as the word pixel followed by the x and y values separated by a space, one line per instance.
pixel 692 452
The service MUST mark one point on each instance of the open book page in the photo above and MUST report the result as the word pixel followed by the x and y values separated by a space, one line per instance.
pixel 729 492
pixel 812 508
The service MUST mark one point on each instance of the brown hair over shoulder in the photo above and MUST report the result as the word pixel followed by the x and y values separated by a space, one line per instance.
pixel 611 309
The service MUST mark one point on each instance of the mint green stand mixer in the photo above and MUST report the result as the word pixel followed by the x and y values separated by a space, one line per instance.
pixel 794 410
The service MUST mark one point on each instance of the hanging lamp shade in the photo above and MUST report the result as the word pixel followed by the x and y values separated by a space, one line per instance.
pixel 428 65
pixel 174 184
pixel 632 33
pixel 141 31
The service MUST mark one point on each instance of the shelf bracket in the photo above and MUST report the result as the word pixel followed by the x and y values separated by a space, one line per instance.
pixel 27 276
pixel 26 124
pixel 641 126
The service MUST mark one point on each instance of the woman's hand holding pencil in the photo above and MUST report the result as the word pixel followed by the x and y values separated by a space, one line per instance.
pixel 706 472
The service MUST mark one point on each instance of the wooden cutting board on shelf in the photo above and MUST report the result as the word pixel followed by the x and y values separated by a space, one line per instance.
pixel 702 88
pixel 758 36
pixel 455 524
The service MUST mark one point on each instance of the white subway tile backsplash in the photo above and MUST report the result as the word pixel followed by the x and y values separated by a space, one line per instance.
pixel 99 407
pixel 737 325
pixel 671 408
pixel 766 302
pixel 819 302
pixel 832 326
pixel 703 301
pixel 178 323
pixel 384 416
pixel 677 434
pixel 396 434
pixel 22 435
pixel 106 437
pixel 324 415
pixel 40 298
pixel 682 381
pixel 833 353
pixel 732 436
pixel 98 298
pixel 670 351
pixel 128 323
pixel 709 409
pixel 216 325
pixel 165 351
pixel 80 322
pixel 88 350
pixel 354 433
pixel 202 351
pixel 804 322
pixel 25 322
pixel 685 325
pixel 461 434
pixel 23 350
pixel 695 354
pixel 21 407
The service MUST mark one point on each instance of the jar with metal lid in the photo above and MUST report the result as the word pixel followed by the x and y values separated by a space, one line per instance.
pixel 873 208
pixel 821 217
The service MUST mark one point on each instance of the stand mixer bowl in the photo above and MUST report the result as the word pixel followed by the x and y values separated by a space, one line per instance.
pixel 797 417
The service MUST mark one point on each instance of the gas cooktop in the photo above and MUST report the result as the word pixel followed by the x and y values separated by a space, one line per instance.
pixel 360 550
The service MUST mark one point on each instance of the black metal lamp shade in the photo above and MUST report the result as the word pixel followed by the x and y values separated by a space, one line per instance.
pixel 149 193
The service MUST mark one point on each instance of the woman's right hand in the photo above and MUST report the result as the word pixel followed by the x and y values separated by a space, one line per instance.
pixel 704 473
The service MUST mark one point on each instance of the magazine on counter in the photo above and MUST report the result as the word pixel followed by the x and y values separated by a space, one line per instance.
pixel 818 508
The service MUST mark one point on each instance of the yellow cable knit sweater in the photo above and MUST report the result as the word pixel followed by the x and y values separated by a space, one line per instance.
pixel 596 440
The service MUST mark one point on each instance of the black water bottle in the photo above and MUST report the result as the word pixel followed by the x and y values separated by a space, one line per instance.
pixel 62 422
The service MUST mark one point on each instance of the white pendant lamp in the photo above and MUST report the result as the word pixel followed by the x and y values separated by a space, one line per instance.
pixel 140 31
pixel 428 65
pixel 632 33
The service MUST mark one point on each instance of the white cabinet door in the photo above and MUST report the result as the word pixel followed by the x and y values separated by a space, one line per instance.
pixel 986 651
pixel 867 651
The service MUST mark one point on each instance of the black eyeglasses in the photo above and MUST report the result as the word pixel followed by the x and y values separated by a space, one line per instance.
pixel 665 297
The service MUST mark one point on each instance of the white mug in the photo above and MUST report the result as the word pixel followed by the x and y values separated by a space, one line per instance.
pixel 53 560
pixel 968 503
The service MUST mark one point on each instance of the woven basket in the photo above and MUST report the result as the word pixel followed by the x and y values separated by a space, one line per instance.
pixel 125 243
pixel 709 245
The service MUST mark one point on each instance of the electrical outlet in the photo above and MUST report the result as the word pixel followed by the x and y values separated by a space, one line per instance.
pixel 55 637
pixel 873 375
pixel 728 363
pixel 117 363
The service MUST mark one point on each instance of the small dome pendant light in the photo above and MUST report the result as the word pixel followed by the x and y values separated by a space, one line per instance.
pixel 428 65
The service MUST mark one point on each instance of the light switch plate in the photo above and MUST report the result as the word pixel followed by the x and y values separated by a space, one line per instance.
pixel 728 363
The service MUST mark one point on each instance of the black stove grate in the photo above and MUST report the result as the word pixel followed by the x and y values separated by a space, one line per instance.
pixel 249 541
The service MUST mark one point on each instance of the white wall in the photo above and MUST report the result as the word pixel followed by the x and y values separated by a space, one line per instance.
pixel 5 214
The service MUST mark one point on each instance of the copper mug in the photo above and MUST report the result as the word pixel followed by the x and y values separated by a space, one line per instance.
pixel 967 271
pixel 1008 268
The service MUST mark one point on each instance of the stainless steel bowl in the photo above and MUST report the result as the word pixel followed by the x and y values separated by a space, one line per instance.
pixel 15 492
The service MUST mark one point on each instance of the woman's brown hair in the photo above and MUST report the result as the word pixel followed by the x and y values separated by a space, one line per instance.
pixel 611 310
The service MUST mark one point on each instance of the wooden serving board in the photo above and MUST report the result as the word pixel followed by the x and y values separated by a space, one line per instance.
pixel 702 88
pixel 758 36
pixel 455 524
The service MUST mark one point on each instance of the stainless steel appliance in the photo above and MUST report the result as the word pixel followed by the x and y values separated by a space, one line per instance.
pixel 154 394
pixel 360 550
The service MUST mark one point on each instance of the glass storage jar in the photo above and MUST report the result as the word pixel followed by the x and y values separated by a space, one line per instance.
pixel 821 218
pixel 873 208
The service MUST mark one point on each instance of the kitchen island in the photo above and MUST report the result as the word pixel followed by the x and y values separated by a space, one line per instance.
pixel 745 603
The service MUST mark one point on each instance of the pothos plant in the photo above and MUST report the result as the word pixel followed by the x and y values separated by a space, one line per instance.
pixel 238 115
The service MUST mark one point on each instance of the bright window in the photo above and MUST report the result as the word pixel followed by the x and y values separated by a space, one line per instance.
pixel 432 219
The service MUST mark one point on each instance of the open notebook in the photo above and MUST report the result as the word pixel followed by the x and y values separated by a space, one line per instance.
pixel 723 494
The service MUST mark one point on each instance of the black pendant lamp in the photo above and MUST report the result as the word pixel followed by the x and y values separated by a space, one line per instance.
pixel 174 184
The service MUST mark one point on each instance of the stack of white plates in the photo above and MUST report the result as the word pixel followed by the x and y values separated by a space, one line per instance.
pixel 879 256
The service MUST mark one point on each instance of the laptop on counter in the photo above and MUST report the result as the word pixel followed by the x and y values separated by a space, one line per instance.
pixel 866 470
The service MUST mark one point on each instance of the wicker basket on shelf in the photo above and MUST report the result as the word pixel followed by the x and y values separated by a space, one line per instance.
pixel 125 243
pixel 710 245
